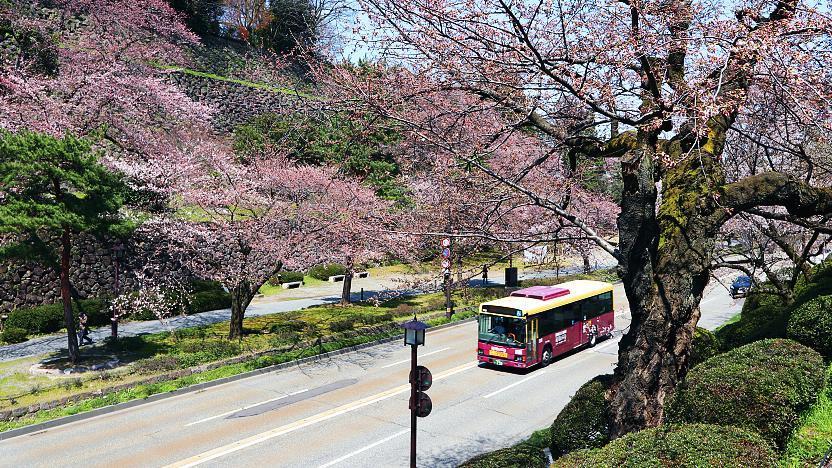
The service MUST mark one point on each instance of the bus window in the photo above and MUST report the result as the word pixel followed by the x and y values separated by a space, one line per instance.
pixel 547 322
pixel 606 302
pixel 594 306
pixel 502 330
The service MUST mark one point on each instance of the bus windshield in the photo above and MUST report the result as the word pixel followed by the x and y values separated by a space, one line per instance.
pixel 508 331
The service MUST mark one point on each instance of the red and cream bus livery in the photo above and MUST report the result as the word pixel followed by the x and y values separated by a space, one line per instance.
pixel 533 325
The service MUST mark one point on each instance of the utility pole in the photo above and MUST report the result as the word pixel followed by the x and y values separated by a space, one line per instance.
pixel 446 273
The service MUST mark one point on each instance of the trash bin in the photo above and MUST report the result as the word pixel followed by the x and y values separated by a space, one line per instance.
pixel 511 277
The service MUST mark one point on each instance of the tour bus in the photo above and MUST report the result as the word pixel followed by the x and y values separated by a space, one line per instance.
pixel 533 325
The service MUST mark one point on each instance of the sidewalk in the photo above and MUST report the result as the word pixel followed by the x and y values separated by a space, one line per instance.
pixel 321 294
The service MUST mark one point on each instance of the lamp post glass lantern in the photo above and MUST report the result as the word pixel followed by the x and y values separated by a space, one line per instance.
pixel 414 332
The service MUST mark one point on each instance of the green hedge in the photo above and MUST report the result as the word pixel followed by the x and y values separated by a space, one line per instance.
pixel 209 300
pixel 694 445
pixel 50 318
pixel 41 319
pixel 13 335
pixel 323 272
pixel 705 346
pixel 766 321
pixel 583 422
pixel 820 284
pixel 519 456
pixel 763 386
pixel 286 277
pixel 197 286
pixel 811 325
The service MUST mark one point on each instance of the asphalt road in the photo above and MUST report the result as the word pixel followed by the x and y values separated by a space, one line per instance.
pixel 350 410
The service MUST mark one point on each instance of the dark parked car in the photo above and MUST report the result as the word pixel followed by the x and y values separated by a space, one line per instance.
pixel 741 286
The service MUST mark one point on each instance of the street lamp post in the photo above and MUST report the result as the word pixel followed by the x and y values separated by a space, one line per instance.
pixel 414 335
pixel 118 255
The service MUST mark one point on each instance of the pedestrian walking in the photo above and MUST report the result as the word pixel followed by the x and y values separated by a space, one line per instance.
pixel 485 274
pixel 84 329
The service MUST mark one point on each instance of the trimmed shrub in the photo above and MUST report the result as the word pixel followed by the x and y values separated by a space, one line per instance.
pixel 811 324
pixel 763 387
pixel 767 321
pixel 50 318
pixel 820 286
pixel 342 325
pixel 156 364
pixel 583 422
pixel 758 297
pixel 323 272
pixel 519 456
pixel 372 319
pixel 290 276
pixel 693 445
pixel 41 319
pixel 14 335
pixel 705 346
pixel 209 300
pixel 205 285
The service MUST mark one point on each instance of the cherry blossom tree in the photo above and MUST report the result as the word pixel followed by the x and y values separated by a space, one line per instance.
pixel 665 89
pixel 97 68
pixel 240 222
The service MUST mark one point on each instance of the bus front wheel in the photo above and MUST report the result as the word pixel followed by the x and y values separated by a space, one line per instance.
pixel 547 357
pixel 592 340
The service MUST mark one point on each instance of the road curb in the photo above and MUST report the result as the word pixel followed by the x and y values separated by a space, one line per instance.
pixel 39 427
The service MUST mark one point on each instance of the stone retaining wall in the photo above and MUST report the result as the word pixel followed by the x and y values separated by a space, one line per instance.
pixel 236 103
pixel 93 272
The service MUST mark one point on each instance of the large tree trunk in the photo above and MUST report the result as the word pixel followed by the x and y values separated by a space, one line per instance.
pixel 66 297
pixel 241 296
pixel 346 291
pixel 666 262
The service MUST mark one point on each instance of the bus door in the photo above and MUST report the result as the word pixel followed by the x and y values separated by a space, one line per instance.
pixel 532 336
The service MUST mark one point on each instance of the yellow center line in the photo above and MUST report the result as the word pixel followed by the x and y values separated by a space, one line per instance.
pixel 308 421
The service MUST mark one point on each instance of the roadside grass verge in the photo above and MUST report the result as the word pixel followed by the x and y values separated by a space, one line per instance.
pixel 541 438
pixel 734 319
pixel 810 441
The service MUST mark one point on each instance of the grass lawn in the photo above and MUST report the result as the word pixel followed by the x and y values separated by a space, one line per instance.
pixel 734 319
pixel 810 441
pixel 269 290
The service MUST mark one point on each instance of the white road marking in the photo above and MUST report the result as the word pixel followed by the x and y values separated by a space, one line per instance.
pixel 578 360
pixel 364 449
pixel 536 374
pixel 245 408
pixel 308 421
pixel 408 359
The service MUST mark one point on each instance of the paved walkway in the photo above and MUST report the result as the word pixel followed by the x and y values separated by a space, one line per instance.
pixel 324 294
